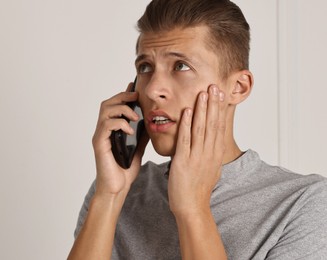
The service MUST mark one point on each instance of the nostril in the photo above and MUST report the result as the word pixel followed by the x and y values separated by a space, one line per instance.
pixel 162 96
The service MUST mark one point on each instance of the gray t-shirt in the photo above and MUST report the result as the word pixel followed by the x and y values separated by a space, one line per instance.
pixel 261 211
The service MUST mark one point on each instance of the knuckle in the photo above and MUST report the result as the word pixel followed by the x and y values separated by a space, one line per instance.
pixel 124 124
pixel 222 126
pixel 95 141
pixel 186 140
pixel 103 106
pixel 121 95
pixel 106 124
pixel 199 130
pixel 213 124
pixel 214 99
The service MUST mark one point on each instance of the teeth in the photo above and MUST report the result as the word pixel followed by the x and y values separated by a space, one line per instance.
pixel 160 120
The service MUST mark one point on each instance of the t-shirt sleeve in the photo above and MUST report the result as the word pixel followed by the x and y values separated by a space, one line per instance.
pixel 305 236
pixel 84 210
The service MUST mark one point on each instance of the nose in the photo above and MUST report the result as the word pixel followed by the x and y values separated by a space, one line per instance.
pixel 157 88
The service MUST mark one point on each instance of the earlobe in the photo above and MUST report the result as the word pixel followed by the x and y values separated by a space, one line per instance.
pixel 241 86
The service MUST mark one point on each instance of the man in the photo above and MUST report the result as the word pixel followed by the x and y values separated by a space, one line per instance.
pixel 212 201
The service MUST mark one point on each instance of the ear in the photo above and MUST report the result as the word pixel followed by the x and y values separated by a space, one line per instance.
pixel 241 86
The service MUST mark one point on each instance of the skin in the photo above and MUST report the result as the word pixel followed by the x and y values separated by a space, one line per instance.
pixel 178 77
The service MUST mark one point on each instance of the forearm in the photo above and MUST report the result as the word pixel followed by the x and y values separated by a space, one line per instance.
pixel 199 237
pixel 96 237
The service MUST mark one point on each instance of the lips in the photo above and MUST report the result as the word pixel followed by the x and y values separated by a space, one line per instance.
pixel 159 121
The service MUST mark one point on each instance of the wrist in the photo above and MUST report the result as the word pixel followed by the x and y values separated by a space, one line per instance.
pixel 194 214
pixel 107 193
pixel 109 201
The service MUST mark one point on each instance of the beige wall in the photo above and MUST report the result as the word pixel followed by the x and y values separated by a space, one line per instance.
pixel 60 59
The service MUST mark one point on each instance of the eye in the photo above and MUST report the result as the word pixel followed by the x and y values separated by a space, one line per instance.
pixel 144 68
pixel 180 66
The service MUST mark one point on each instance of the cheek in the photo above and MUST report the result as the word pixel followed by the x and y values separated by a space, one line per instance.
pixel 191 99
pixel 188 94
pixel 142 100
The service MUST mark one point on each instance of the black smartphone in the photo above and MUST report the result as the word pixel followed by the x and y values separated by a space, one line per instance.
pixel 124 145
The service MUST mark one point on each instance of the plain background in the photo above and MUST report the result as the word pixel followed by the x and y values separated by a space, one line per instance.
pixel 60 59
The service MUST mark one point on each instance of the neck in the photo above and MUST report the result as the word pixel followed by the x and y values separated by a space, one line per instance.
pixel 232 151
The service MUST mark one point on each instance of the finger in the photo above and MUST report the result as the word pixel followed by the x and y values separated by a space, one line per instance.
pixel 221 128
pixel 129 87
pixel 183 144
pixel 118 111
pixel 113 107
pixel 120 98
pixel 212 122
pixel 199 124
pixel 103 132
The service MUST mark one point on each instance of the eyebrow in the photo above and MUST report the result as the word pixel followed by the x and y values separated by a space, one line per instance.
pixel 173 54
pixel 140 57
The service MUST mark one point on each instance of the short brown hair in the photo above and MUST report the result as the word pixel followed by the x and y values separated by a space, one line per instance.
pixel 228 28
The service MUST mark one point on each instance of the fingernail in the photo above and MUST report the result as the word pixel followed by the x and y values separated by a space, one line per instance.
pixel 204 97
pixel 188 112
pixel 215 90
pixel 221 96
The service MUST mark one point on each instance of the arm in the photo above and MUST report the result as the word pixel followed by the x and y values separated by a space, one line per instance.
pixel 96 237
pixel 195 170
pixel 199 238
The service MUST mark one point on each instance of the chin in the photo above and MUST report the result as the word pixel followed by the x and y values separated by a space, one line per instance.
pixel 164 148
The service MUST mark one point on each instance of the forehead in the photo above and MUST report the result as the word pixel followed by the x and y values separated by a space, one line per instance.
pixel 191 40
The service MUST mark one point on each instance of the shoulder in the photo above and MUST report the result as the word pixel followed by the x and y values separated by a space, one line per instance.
pixel 280 186
pixel 278 175
pixel 307 225
pixel 303 188
pixel 314 195
pixel 305 199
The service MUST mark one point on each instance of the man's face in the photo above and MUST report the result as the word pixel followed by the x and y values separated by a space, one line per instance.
pixel 173 67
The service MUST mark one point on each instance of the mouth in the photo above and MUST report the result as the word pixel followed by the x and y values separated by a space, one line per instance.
pixel 159 121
